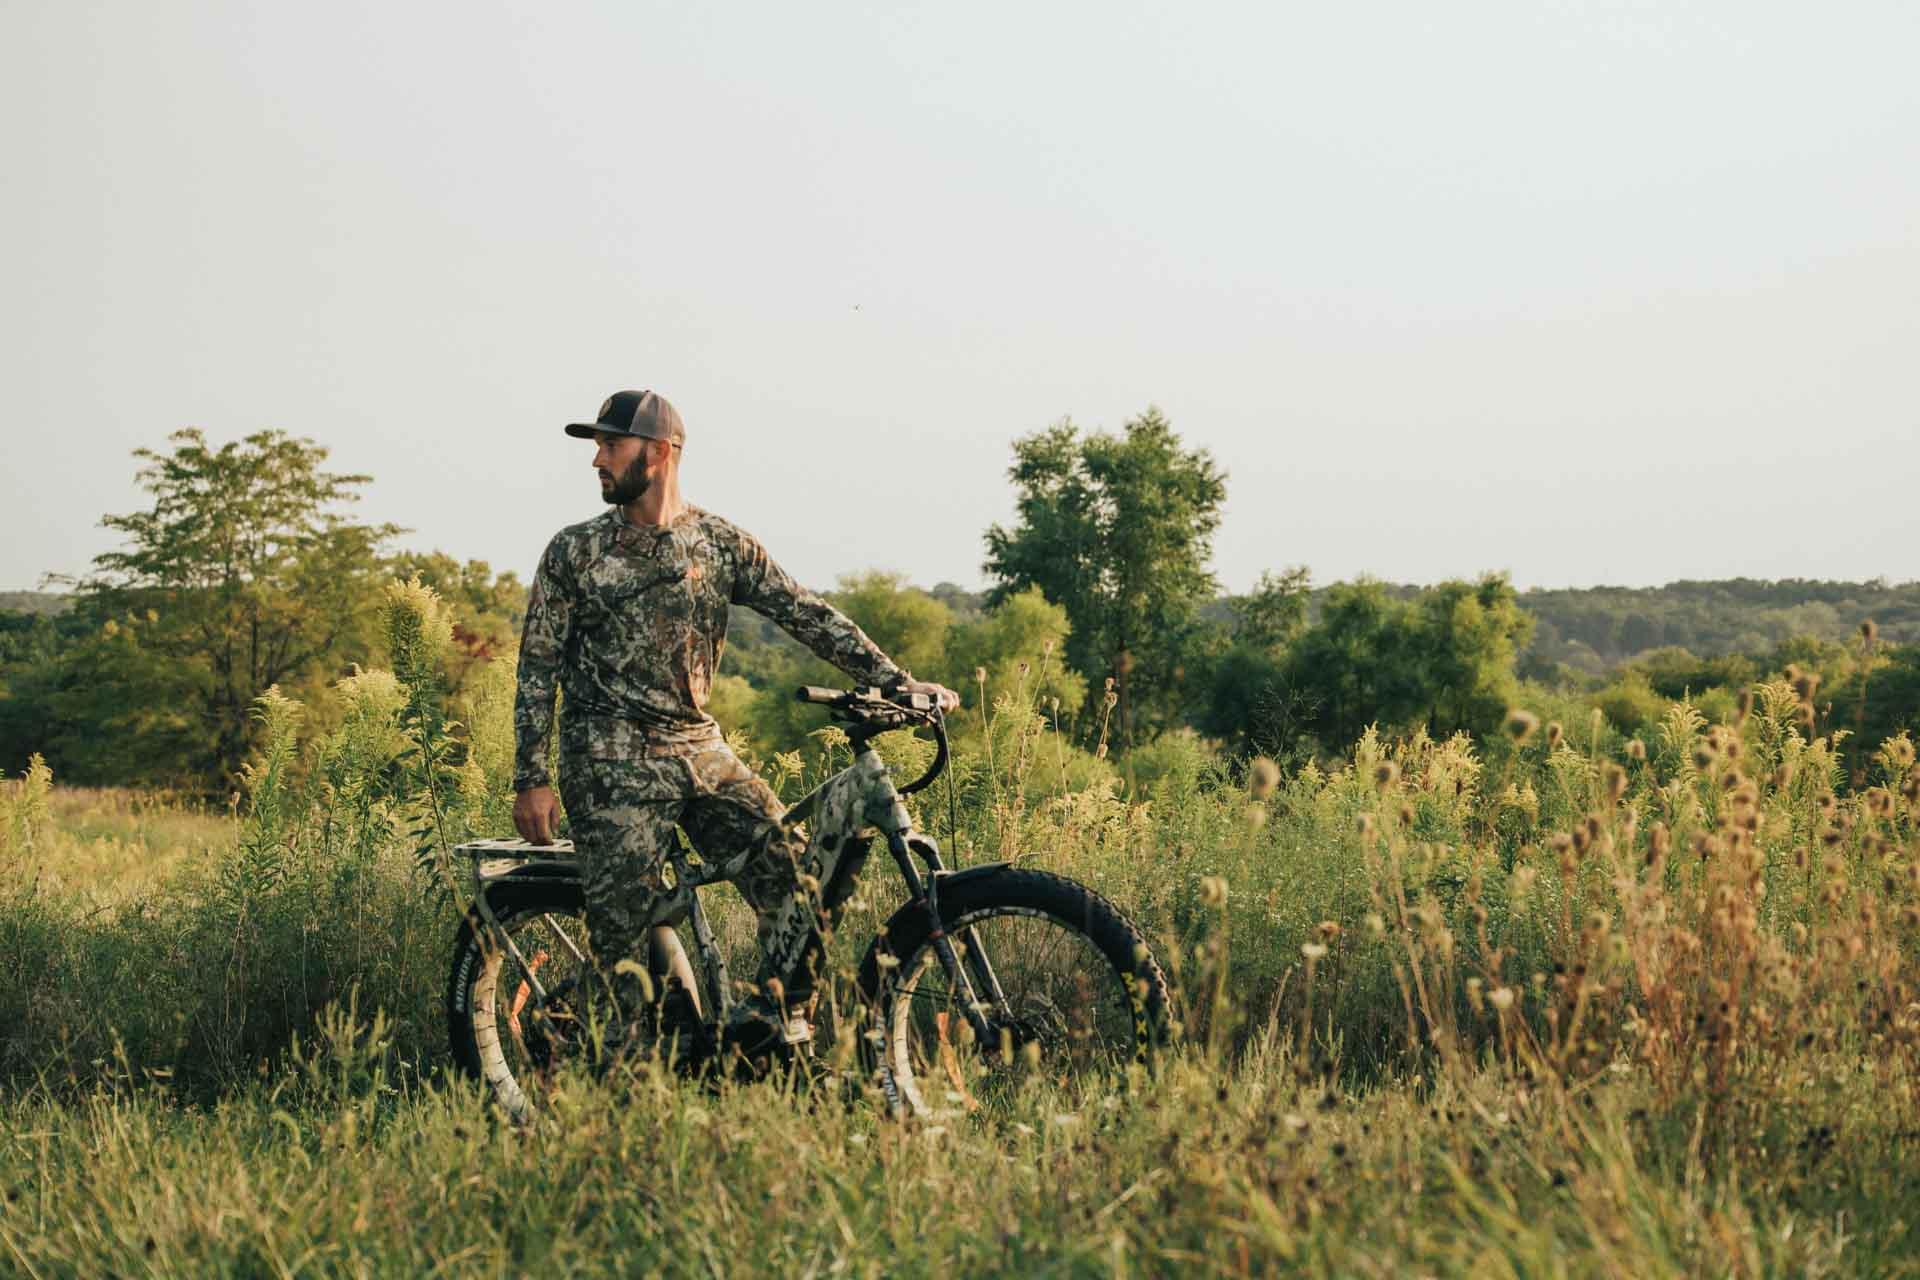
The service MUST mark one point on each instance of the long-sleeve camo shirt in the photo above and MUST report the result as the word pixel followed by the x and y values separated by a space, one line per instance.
pixel 631 621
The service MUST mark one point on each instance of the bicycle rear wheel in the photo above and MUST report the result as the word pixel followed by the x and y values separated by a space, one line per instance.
pixel 1083 994
pixel 501 1029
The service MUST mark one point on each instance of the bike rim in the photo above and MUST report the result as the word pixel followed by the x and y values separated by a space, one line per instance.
pixel 515 1032
pixel 1072 1013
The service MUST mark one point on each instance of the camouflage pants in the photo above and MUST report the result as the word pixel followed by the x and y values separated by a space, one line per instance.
pixel 623 808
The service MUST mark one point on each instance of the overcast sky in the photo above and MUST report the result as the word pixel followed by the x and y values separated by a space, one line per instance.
pixel 1591 293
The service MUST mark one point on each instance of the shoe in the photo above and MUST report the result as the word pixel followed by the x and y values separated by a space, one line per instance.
pixel 758 1026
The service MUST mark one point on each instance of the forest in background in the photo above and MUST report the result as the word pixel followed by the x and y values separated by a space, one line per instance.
pixel 248 572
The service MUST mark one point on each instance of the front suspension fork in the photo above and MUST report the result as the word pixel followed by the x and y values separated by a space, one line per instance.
pixel 968 968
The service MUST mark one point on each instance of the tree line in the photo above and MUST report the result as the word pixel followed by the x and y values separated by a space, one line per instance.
pixel 247 570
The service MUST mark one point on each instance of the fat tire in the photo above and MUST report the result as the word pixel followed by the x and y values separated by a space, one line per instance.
pixel 470 972
pixel 1068 903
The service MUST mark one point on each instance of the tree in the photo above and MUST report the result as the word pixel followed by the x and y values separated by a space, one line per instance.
pixel 1444 659
pixel 244 571
pixel 1269 616
pixel 1118 531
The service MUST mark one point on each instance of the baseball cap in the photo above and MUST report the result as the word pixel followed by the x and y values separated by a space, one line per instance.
pixel 634 413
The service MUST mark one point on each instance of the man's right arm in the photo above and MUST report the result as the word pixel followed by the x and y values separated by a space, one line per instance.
pixel 543 646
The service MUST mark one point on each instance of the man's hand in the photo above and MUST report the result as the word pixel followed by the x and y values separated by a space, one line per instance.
pixel 949 700
pixel 535 814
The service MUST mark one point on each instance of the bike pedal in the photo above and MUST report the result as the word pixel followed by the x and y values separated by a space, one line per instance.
pixel 797 1031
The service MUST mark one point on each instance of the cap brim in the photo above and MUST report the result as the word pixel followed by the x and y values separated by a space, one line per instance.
pixel 587 430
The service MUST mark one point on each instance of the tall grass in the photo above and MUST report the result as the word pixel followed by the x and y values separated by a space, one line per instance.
pixel 1557 1002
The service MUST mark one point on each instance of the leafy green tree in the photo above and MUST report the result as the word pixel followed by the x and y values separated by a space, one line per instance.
pixel 247 571
pixel 106 709
pixel 1023 631
pixel 1444 658
pixel 1274 612
pixel 1118 531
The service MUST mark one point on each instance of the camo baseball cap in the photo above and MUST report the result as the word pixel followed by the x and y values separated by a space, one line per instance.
pixel 634 413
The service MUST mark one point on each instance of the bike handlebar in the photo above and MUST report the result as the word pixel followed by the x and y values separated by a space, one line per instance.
pixel 879 712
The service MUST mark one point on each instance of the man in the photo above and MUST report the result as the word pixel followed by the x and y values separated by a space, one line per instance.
pixel 628 615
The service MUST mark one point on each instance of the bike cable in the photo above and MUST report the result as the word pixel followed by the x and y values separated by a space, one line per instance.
pixel 953 802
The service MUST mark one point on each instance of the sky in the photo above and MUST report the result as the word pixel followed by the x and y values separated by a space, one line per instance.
pixel 1586 293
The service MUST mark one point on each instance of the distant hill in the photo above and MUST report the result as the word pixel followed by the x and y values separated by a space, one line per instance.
pixel 1600 627
pixel 35 602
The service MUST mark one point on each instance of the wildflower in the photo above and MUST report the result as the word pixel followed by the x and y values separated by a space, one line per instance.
pixel 1521 724
pixel 1263 776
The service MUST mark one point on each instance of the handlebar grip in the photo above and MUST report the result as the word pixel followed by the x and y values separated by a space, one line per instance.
pixel 814 693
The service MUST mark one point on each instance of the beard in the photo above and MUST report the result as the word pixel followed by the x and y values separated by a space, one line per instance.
pixel 627 485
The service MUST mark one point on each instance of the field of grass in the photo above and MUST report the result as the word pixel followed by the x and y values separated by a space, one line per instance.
pixel 1554 1005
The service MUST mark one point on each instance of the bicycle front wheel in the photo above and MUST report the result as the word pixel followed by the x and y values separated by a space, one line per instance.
pixel 1080 992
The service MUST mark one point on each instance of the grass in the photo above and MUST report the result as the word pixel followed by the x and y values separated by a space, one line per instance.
pixel 1556 1004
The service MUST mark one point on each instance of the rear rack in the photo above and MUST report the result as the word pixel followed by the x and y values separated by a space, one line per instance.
pixel 492 858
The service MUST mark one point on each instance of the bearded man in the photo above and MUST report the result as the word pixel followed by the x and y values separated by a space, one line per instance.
pixel 628 615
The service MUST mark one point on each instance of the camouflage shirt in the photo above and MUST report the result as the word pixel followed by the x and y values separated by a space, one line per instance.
pixel 630 623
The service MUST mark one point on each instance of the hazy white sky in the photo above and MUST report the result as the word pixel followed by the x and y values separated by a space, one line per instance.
pixel 1602 292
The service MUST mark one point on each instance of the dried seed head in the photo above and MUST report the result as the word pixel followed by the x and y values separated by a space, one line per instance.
pixel 1743 706
pixel 1615 781
pixel 1501 998
pixel 1328 929
pixel 1385 774
pixel 1554 734
pixel 1256 815
pixel 1406 815
pixel 1364 824
pixel 980 675
pixel 1263 776
pixel 1659 840
pixel 1313 950
pixel 1213 891
pixel 1636 750
pixel 1782 776
pixel 1521 724
pixel 1702 756
pixel 1869 632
